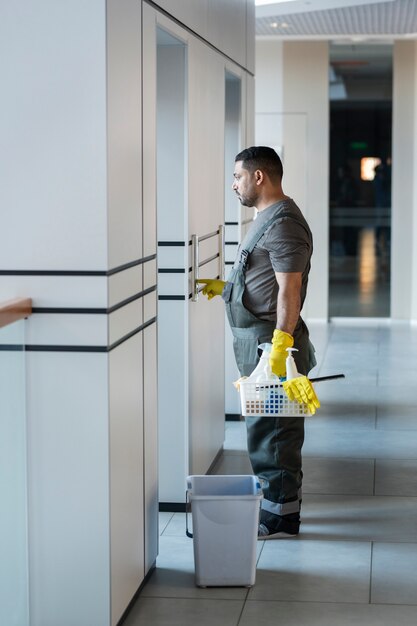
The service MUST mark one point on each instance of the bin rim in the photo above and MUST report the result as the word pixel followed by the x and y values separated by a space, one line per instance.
pixel 248 496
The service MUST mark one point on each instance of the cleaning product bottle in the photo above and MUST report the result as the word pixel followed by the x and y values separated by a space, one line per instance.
pixel 262 371
pixel 290 364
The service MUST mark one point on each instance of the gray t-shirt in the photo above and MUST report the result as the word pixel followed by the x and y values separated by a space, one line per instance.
pixel 286 246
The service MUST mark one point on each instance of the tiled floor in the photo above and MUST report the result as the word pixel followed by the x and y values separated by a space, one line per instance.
pixel 360 285
pixel 355 560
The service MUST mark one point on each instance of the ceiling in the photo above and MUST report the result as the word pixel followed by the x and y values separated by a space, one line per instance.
pixel 353 20
pixel 360 34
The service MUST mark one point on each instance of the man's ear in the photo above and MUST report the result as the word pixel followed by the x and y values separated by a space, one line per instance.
pixel 259 176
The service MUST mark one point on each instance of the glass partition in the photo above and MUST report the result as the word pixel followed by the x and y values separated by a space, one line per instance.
pixel 13 484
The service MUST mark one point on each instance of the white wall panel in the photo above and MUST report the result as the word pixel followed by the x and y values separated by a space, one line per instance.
pixel 67 330
pixel 150 366
pixel 206 137
pixel 125 284
pixel 126 473
pixel 150 274
pixel 235 141
pixel 57 291
pixel 250 36
pixel 14 569
pixel 149 306
pixel 171 256
pixel 173 380
pixel 124 127
pixel 225 24
pixel 226 28
pixel 150 434
pixel 125 320
pixel 68 473
pixel 206 212
pixel 232 397
pixel 149 132
pixel 171 284
pixel 53 129
pixel 171 143
pixel 191 13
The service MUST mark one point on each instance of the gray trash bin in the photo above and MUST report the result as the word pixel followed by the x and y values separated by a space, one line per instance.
pixel 225 515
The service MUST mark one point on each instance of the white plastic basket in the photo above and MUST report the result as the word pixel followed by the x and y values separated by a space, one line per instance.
pixel 268 399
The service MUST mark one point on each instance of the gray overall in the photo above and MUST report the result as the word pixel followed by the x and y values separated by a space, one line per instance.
pixel 274 444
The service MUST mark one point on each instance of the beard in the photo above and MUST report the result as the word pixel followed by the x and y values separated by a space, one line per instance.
pixel 246 200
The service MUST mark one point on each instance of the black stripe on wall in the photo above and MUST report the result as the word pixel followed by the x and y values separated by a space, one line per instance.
pixel 58 348
pixel 172 244
pixel 127 266
pixel 110 272
pixel 93 311
pixel 171 270
pixel 171 297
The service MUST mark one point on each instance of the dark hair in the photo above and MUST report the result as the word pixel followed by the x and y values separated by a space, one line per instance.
pixel 261 158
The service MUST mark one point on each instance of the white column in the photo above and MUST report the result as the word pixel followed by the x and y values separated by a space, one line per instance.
pixel 404 176
pixel 292 115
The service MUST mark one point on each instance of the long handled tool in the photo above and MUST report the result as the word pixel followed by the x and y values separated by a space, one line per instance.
pixel 320 378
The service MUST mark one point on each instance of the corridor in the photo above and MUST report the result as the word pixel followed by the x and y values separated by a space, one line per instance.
pixel 355 560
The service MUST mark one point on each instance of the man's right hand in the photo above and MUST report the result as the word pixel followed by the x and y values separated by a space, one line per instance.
pixel 213 287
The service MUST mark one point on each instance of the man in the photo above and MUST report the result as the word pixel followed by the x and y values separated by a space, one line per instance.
pixel 264 296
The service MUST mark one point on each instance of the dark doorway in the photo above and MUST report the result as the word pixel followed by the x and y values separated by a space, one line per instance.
pixel 360 180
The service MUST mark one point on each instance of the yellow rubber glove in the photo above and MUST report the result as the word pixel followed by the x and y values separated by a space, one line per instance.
pixel 213 287
pixel 280 342
pixel 301 390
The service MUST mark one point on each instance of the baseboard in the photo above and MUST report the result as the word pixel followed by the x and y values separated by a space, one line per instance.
pixel 233 417
pixel 172 507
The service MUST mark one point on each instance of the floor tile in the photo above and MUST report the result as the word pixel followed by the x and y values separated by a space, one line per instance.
pixel 377 444
pixel 316 571
pixel 394 567
pixel 359 518
pixel 184 612
pixel 233 464
pixel 402 377
pixel 396 478
pixel 343 392
pixel 338 476
pixel 176 525
pixel 336 416
pixel 397 417
pixel 164 519
pixel 261 613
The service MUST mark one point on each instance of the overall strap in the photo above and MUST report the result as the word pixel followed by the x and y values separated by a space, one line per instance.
pixel 254 234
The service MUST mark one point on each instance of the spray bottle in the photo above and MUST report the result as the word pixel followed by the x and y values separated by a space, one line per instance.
pixel 290 364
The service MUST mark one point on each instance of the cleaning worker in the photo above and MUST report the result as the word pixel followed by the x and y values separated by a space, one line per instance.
pixel 264 296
